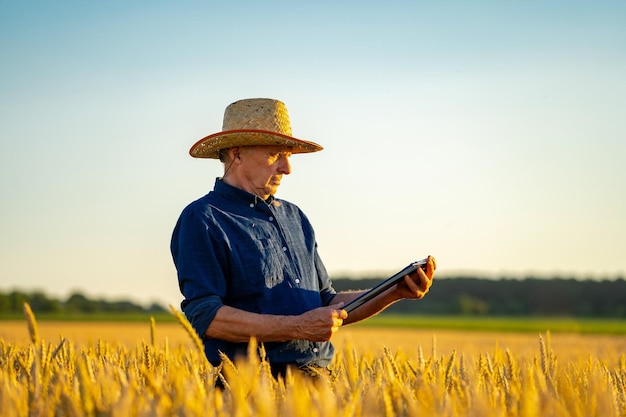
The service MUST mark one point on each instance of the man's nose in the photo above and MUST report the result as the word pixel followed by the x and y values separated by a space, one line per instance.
pixel 285 166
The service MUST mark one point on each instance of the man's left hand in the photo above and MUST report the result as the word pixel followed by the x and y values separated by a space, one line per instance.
pixel 417 284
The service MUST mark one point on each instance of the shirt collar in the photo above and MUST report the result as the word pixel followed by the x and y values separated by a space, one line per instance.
pixel 239 195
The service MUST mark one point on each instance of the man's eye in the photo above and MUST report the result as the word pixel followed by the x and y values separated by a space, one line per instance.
pixel 278 155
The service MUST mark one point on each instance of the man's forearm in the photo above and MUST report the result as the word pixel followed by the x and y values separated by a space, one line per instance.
pixel 368 309
pixel 236 325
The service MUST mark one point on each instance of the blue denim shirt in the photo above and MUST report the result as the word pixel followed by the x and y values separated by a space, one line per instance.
pixel 232 248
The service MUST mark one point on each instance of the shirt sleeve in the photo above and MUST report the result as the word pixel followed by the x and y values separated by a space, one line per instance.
pixel 200 263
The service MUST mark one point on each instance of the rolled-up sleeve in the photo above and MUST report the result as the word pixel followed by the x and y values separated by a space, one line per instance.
pixel 201 311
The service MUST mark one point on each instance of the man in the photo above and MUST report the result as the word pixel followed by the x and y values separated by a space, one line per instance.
pixel 247 262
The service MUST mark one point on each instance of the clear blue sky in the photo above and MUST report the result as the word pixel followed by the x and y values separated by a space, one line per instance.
pixel 490 134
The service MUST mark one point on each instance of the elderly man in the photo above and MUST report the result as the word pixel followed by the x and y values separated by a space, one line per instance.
pixel 247 262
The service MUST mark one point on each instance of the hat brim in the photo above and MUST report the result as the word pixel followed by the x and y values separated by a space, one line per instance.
pixel 209 146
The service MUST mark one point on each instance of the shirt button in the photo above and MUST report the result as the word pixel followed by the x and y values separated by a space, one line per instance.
pixel 271 219
pixel 284 249
pixel 297 281
pixel 315 350
pixel 251 205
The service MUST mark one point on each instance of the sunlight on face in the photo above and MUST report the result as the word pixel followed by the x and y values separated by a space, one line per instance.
pixel 263 168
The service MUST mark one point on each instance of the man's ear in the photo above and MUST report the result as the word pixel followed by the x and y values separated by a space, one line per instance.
pixel 234 153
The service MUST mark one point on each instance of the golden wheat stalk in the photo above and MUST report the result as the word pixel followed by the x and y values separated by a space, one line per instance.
pixel 448 374
pixel 189 329
pixel 392 362
pixel 58 349
pixel 33 330
pixel 152 332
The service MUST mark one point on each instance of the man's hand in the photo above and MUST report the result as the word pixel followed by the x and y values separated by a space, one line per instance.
pixel 320 324
pixel 417 284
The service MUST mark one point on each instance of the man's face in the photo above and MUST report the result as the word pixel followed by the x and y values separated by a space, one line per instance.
pixel 262 168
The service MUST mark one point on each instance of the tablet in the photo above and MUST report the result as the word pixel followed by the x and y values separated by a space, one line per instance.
pixel 383 286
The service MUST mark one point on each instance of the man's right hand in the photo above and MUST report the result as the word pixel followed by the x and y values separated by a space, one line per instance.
pixel 320 324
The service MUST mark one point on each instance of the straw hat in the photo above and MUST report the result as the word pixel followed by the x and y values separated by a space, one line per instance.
pixel 255 121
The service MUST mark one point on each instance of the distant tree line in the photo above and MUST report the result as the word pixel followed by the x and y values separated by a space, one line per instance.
pixel 512 297
pixel 13 302
pixel 448 295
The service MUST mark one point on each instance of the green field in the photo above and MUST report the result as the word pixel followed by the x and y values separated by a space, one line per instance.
pixel 503 324
pixel 96 317
pixel 476 323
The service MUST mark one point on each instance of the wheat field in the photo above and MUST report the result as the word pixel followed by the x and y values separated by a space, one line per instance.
pixel 130 369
